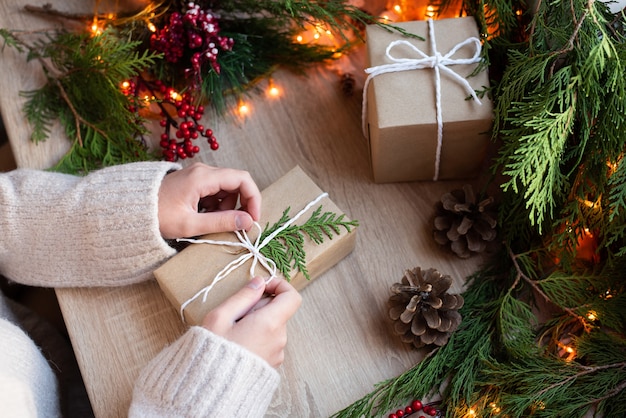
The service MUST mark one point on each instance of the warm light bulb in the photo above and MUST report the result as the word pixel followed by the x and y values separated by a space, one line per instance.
pixel 125 84
pixel 151 27
pixel 316 35
pixel 243 108
pixel 389 15
pixel 496 409
pixel 592 316
pixel 397 8
pixel 95 28
pixel 430 11
pixel 273 91
pixel 299 38
pixel 571 353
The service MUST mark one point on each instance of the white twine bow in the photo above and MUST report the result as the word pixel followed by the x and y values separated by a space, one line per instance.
pixel 253 252
pixel 436 61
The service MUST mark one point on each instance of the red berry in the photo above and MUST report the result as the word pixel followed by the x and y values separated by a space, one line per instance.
pixel 430 410
pixel 416 405
pixel 408 410
pixel 393 416
pixel 400 413
pixel 214 146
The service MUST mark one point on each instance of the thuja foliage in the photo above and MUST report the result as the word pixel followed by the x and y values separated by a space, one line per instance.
pixel 543 331
pixel 286 249
pixel 82 91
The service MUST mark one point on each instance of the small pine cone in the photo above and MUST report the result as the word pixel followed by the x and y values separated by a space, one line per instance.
pixel 463 224
pixel 422 310
pixel 347 84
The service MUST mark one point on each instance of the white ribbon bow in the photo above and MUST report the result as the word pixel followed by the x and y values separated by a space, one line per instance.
pixel 253 251
pixel 439 63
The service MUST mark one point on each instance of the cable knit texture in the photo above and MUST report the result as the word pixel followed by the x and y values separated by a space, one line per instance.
pixel 223 380
pixel 102 230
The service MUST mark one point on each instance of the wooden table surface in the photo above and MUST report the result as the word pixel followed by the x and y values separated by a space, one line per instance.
pixel 340 341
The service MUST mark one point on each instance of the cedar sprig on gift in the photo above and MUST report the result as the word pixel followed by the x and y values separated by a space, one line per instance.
pixel 287 248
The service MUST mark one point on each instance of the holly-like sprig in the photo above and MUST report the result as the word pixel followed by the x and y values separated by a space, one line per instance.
pixel 286 249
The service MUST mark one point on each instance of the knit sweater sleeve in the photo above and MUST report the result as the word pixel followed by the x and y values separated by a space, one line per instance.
pixel 66 231
pixel 204 375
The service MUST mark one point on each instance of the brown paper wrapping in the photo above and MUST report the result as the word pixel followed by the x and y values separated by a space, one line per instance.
pixel 401 110
pixel 192 269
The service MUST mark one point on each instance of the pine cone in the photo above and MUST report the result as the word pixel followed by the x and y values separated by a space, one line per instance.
pixel 463 224
pixel 423 313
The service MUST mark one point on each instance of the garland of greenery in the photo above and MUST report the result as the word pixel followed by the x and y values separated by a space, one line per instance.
pixel 247 39
pixel 543 321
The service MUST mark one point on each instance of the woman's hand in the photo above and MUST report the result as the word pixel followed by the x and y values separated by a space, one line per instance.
pixel 201 199
pixel 257 323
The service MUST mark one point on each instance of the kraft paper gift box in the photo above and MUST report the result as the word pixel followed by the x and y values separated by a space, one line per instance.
pixel 400 115
pixel 195 267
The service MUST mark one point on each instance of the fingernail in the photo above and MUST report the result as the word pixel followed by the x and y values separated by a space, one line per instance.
pixel 240 222
pixel 256 283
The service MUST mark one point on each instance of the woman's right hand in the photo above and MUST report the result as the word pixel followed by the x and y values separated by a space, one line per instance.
pixel 255 322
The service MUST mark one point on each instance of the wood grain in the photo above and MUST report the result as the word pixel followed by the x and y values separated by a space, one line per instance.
pixel 340 343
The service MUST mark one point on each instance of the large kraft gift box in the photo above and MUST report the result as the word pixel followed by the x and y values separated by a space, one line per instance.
pixel 196 266
pixel 401 107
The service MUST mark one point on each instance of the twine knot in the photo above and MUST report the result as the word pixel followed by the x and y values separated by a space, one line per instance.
pixel 439 63
pixel 251 250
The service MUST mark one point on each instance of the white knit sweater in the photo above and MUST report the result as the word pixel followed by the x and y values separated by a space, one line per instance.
pixel 102 230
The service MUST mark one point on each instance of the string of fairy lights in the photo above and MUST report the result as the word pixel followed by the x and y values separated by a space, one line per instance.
pixel 319 33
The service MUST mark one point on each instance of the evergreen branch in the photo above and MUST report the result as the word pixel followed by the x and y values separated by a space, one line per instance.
pixel 286 249
pixel 613 392
pixel 586 370
pixel 521 275
pixel 82 91
pixel 61 90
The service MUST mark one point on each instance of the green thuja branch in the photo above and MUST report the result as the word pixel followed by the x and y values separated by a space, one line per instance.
pixel 559 112
pixel 286 249
pixel 82 91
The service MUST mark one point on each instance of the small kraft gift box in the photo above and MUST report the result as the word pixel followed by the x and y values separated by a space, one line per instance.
pixel 216 266
pixel 421 114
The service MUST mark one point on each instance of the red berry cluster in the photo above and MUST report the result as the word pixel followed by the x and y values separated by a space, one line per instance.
pixel 180 144
pixel 178 114
pixel 195 29
pixel 414 408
